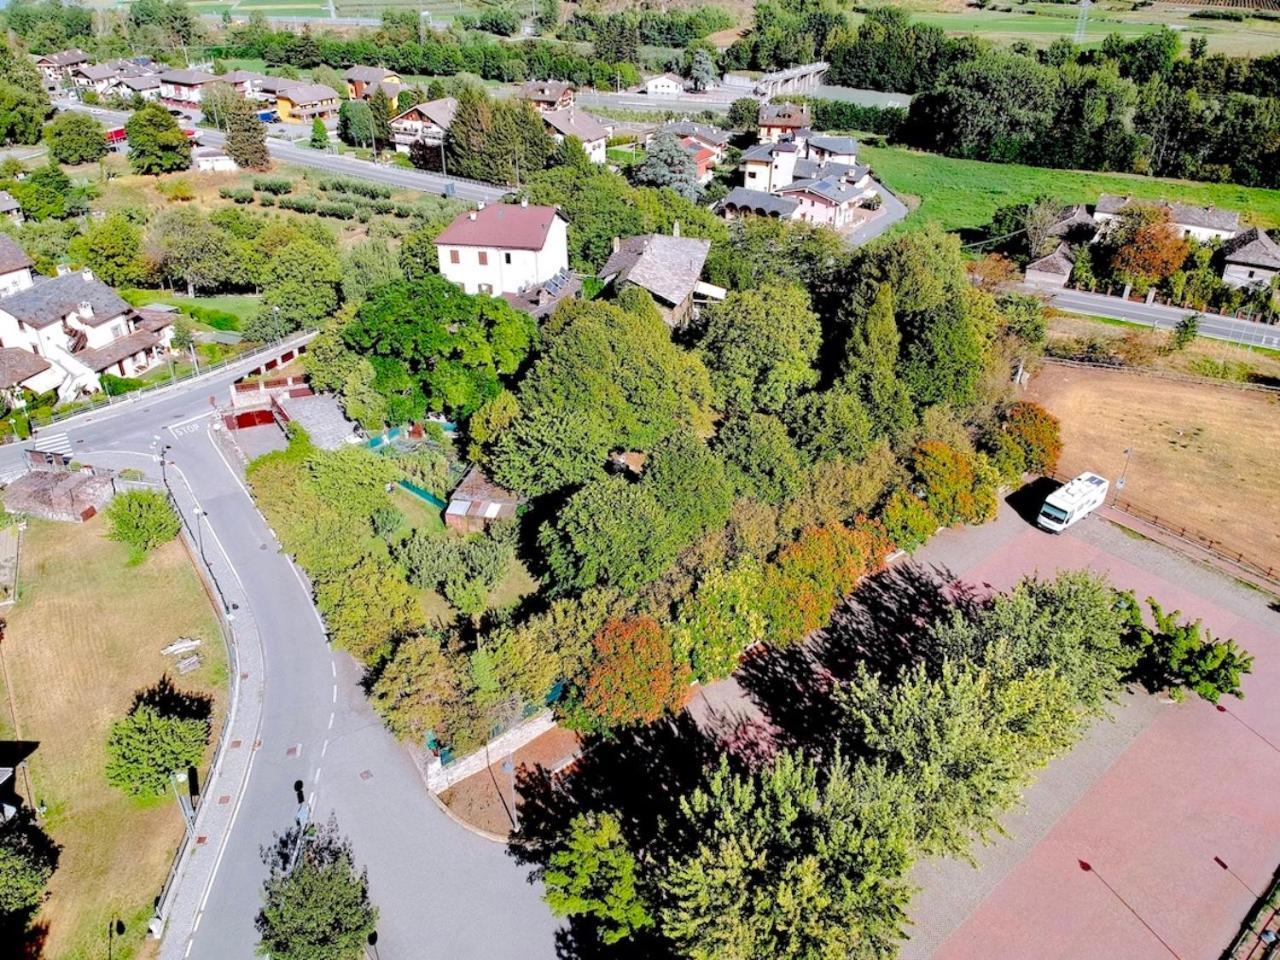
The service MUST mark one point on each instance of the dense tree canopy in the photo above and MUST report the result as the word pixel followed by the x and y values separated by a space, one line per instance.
pixel 156 143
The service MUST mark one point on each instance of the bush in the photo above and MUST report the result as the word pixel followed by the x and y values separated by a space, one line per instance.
pixel 142 520
pixel 1037 432
pixel 956 485
pixel 298 204
pixel 362 188
pixel 114 386
pixel 146 748
pixel 236 194
pixel 179 190
pixel 908 520
pixel 339 211
pixel 276 186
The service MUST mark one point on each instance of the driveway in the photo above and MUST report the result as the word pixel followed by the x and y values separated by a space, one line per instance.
pixel 892 210
pixel 1148 799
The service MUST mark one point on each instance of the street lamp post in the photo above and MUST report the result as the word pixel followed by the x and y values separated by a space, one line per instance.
pixel 509 768
pixel 1128 452
pixel 1087 867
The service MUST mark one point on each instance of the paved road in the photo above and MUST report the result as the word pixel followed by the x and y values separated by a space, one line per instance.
pixel 442 892
pixel 1210 324
pixel 287 152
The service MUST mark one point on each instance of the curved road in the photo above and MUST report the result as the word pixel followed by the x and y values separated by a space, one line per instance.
pixel 442 892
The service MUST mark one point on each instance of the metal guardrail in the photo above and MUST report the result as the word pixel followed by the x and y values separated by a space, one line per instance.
pixel 163 385
pixel 1163 374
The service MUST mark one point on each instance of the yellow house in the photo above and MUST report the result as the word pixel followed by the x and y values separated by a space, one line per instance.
pixel 303 102
pixel 363 81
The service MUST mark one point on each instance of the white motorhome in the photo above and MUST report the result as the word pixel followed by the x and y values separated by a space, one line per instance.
pixel 1072 502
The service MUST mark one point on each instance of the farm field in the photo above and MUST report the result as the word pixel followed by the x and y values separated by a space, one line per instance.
pixel 1202 456
pixel 85 635
pixel 962 194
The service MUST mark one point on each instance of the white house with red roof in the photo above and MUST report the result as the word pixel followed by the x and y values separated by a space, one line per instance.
pixel 504 248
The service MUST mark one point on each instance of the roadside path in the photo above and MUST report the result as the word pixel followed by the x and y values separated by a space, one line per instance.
pixel 1157 315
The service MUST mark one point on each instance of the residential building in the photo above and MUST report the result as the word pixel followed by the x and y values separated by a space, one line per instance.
pixel 270 88
pixel 1075 224
pixel 711 137
pixel 423 123
pixel 548 94
pixel 669 267
pixel 478 502
pixel 245 82
pixel 22 370
pixel 147 87
pixel 572 122
pixel 775 166
pixel 779 121
pixel 825 149
pixel 185 88
pixel 503 248
pixel 829 201
pixel 742 201
pixel 1250 259
pixel 1201 224
pixel 81 327
pixel 541 301
pixel 55 67
pixel 9 207
pixel 304 102
pixel 664 85
pixel 98 77
pixel 1053 270
pixel 15 268
pixel 362 82
pixel 704 158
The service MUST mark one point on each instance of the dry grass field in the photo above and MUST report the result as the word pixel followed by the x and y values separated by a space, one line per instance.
pixel 85 634
pixel 1203 456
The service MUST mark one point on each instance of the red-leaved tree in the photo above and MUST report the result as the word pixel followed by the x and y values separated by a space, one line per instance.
pixel 636 674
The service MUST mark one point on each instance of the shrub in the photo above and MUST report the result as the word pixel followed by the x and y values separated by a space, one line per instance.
pixel 908 520
pixel 956 485
pixel 298 204
pixel 146 748
pixel 236 194
pixel 142 520
pixel 1037 432
pixel 114 386
pixel 339 211
pixel 179 190
pixel 276 186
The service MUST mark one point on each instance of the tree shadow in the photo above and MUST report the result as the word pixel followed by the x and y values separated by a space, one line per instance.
pixel 19 937
pixel 168 700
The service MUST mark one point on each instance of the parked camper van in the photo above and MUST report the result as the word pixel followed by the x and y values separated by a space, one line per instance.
pixel 1072 502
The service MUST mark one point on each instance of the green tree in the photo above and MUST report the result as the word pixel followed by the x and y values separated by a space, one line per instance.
pixel 548 16
pixel 47 194
pixel 957 485
pixel 183 243
pixel 301 285
pixel 1184 333
pixel 319 135
pixel 702 69
pixel 688 481
pixel 156 143
pixel 315 903
pixel 791 862
pixel 760 347
pixel 722 619
pixel 1184 656
pixel 355 124
pixel 24 104
pixel 594 873
pixel 27 861
pixel 831 424
pixel 366 266
pixel 150 745
pixel 74 138
pixel 246 136
pixel 381 109
pixel 112 249
pixel 760 459
pixel 502 141
pixel 612 533
pixel 744 114
pixel 142 520
pixel 668 164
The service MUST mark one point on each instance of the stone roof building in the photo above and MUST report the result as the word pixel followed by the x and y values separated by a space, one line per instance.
pixel 669 267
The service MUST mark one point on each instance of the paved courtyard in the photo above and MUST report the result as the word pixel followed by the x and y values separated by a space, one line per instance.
pixel 1155 801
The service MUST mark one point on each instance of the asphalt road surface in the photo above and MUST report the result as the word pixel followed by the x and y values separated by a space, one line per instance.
pixel 442 892
pixel 1154 314
pixel 287 152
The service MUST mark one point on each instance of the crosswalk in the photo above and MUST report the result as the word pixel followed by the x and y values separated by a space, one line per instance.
pixel 52 443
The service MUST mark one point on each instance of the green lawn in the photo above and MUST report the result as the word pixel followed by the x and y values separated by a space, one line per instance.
pixel 960 194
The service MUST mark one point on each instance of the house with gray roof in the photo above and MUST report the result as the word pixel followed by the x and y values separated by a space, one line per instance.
pixel 669 267
pixel 573 122
pixel 825 149
pixel 81 328
pixel 742 201
pixel 709 136
pixel 1053 270
pixel 1250 259
pixel 185 88
pixel 425 123
pixel 1201 224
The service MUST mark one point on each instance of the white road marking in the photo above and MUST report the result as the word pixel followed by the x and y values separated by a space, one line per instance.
pixel 190 944
pixel 331 721
pixel 234 476
pixel 335 693
pixel 316 778
pixel 183 423
pixel 333 667
pixel 324 749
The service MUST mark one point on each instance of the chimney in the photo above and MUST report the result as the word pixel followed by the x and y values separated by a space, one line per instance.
pixel 64 269
pixel 87 274
pixel 471 215
pixel 524 201
pixel 479 206
pixel 85 309
pixel 617 244
pixel 675 229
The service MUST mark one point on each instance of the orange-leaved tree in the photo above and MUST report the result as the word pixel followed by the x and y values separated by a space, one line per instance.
pixel 636 674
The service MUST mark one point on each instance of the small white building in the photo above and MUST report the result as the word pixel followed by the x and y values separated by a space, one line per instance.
pixel 1250 259
pixel 503 248
pixel 1201 224
pixel 572 122
pixel 1053 270
pixel 664 85
pixel 213 160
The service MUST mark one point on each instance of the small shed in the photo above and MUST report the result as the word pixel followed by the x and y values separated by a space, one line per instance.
pixel 1053 270
pixel 59 494
pixel 477 502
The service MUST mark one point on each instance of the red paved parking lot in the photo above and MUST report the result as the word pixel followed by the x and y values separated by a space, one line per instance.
pixel 1196 784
